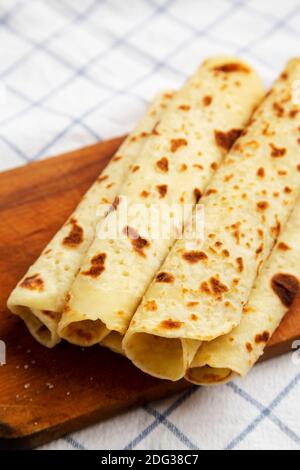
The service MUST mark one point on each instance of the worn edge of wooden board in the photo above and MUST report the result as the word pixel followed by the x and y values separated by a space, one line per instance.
pixel 280 343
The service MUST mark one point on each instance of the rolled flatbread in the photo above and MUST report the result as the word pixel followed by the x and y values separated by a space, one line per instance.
pixel 39 297
pixel 174 168
pixel 201 289
pixel 273 294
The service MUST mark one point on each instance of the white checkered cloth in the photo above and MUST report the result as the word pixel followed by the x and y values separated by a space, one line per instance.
pixel 73 72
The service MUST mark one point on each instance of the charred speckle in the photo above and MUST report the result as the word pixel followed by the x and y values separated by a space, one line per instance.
pixel 165 277
pixel 162 189
pixel 163 164
pixel 171 324
pixel 286 286
pixel 262 337
pixel 75 236
pixel 225 140
pixel 34 282
pixel 232 67
pixel 138 243
pixel 177 143
pixel 194 256
pixel 277 152
pixel 97 266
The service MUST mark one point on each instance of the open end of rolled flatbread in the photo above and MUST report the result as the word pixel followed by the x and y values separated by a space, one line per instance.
pixel 209 376
pixel 175 166
pixel 161 357
pixel 85 332
pixel 41 324
pixel 39 297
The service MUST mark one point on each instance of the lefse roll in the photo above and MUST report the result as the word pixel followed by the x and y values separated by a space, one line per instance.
pixel 199 293
pixel 273 294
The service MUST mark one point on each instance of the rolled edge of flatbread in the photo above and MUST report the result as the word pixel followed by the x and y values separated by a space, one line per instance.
pixel 40 295
pixel 272 296
pixel 199 292
pixel 202 122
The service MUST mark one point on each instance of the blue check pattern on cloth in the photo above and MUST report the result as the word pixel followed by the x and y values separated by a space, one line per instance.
pixel 79 71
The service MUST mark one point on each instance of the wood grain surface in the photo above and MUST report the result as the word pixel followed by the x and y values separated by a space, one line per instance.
pixel 45 394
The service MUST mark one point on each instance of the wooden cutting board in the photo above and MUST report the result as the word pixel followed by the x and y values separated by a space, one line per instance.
pixel 45 394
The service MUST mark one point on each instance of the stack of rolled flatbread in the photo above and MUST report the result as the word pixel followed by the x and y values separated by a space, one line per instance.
pixel 178 304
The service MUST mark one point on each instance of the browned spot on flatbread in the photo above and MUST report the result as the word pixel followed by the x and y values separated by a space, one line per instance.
pixel 193 317
pixel 211 191
pixel 275 230
pixel 165 277
pixel 140 136
pixel 214 287
pixel 277 152
pixel 34 282
pixel 194 257
pixel 279 110
pixel 97 266
pixel 260 250
pixel 162 189
pixel 192 304
pixel 177 144
pixel 138 243
pixel 163 164
pixel 266 130
pixel 154 130
pixel 184 107
pixel 283 246
pixel 135 168
pixel 262 337
pixel 247 309
pixel 293 113
pixel 75 236
pixel 232 67
pixel 262 206
pixel 225 140
pixel 151 306
pixel 207 100
pixel 249 347
pixel 171 324
pixel 286 286
pixel 198 166
pixel 218 287
pixel 197 194
pixel 261 172
pixel 240 264
pixel 102 178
